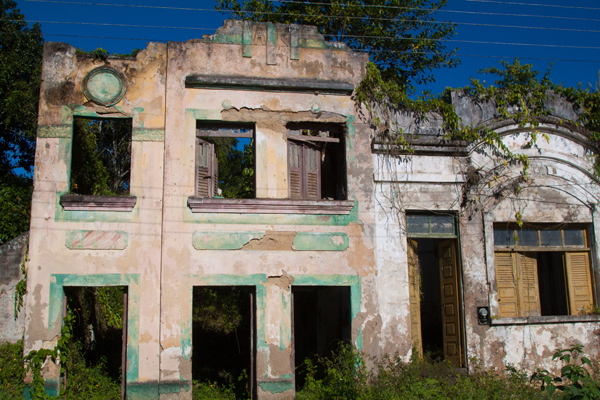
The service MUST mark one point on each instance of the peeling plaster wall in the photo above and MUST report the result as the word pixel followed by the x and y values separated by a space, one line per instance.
pixel 120 247
pixel 559 189
pixel 12 254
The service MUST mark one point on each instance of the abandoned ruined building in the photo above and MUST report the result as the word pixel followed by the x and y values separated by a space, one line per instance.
pixel 240 166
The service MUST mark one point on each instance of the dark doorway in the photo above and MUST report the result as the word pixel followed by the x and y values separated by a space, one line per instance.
pixel 99 332
pixel 437 299
pixel 321 322
pixel 223 340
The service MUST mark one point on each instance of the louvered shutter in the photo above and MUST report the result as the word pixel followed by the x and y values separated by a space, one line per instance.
pixel 529 292
pixel 215 172
pixel 579 282
pixel 506 282
pixel 204 168
pixel 295 161
pixel 312 166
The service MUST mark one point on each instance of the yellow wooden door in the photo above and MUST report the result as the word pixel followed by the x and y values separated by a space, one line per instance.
pixel 414 291
pixel 451 318
pixel 579 282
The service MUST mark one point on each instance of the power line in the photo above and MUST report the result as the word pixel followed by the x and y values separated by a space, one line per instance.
pixel 328 16
pixel 535 5
pixel 342 35
pixel 358 50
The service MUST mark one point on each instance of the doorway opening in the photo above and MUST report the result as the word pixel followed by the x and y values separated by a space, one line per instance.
pixel 98 346
pixel 321 323
pixel 435 287
pixel 224 338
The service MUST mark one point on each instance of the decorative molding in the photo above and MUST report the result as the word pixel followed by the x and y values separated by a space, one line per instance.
pixel 105 86
pixel 223 240
pixel 148 135
pixel 543 320
pixel 269 84
pixel 270 206
pixel 96 240
pixel 321 241
pixel 54 131
pixel 74 202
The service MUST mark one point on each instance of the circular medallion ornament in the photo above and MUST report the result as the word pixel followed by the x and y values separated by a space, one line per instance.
pixel 104 86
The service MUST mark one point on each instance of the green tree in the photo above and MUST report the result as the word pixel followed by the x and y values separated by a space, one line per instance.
pixel 401 36
pixel 20 77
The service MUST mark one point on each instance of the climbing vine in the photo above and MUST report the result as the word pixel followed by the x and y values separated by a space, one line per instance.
pixel 21 287
pixel 519 93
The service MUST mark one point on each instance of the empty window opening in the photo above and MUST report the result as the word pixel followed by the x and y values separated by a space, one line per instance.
pixel 542 270
pixel 225 160
pixel 316 161
pixel 98 342
pixel 101 156
pixel 321 322
pixel 223 337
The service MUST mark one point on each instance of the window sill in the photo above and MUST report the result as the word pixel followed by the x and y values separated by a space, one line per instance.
pixel 557 319
pixel 270 206
pixel 74 202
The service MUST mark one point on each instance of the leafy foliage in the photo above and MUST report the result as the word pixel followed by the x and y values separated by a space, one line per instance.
pixel 575 381
pixel 12 372
pixel 101 158
pixel 401 36
pixel 236 167
pixel 20 289
pixel 344 376
pixel 15 206
pixel 217 309
pixel 20 77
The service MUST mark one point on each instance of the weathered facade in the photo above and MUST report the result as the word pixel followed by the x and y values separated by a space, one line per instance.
pixel 341 235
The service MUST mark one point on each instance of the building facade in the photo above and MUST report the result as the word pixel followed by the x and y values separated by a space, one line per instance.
pixel 328 233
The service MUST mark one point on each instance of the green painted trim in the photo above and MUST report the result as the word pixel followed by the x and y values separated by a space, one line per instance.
pixel 320 44
pixel 294 49
pixel 278 386
pixel 59 281
pixel 74 240
pixel 223 240
pixel 285 325
pixel 271 44
pixel 323 241
pixel 196 114
pixel 61 215
pixel 223 38
pixel 142 391
pixel 54 131
pixel 148 135
pixel 247 39
pixel 354 281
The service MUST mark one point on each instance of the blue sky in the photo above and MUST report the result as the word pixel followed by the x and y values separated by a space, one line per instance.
pixel 540 32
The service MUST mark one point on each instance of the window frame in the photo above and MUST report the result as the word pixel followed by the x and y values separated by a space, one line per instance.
pixel 209 153
pixel 306 144
pixel 521 298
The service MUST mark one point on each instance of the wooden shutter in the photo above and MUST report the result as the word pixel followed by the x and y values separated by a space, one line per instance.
pixel 414 291
pixel 579 281
pixel 529 292
pixel 451 315
pixel 506 283
pixel 204 168
pixel 312 166
pixel 295 170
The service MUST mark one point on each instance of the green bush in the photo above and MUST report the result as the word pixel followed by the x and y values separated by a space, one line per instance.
pixel 211 391
pixel 12 372
pixel 345 376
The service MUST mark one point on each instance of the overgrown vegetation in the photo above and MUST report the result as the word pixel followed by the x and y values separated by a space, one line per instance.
pixel 344 376
pixel 101 156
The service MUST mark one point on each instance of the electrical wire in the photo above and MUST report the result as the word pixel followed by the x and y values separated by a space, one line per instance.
pixel 341 35
pixel 535 5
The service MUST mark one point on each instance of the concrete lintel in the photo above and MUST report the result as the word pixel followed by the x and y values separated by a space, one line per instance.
pixel 269 84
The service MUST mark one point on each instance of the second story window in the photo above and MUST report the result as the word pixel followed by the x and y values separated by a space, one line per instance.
pixel 101 156
pixel 316 162
pixel 225 160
